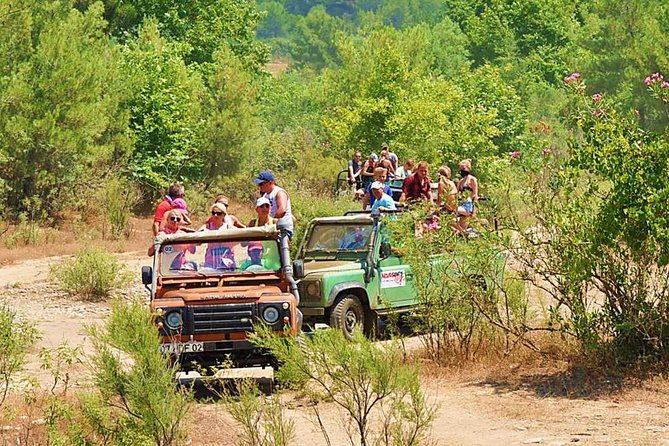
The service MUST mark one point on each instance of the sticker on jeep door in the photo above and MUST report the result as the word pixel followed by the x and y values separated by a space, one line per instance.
pixel 393 279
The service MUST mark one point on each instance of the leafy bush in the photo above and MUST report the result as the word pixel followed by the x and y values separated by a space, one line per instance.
pixel 93 273
pixel 28 232
pixel 369 381
pixel 599 245
pixel 136 399
pixel 16 338
pixel 261 418
pixel 467 301
pixel 118 198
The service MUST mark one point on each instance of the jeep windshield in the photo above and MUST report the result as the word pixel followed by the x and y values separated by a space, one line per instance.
pixel 207 258
pixel 331 239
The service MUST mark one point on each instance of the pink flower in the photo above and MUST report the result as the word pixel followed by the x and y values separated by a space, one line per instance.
pixel 514 155
pixel 597 97
pixel 599 112
pixel 572 77
pixel 665 84
pixel 546 151
pixel 655 77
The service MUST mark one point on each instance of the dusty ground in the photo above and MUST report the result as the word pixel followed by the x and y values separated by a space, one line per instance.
pixel 504 404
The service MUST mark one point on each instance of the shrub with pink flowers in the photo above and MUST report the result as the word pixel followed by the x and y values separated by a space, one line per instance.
pixel 602 223
pixel 658 86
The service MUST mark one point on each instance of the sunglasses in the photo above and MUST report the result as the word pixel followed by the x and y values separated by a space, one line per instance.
pixel 216 213
pixel 264 206
pixel 175 219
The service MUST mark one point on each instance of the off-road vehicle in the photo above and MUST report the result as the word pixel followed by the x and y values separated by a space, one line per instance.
pixel 349 275
pixel 209 289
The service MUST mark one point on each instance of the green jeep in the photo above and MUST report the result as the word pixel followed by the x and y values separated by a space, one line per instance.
pixel 349 275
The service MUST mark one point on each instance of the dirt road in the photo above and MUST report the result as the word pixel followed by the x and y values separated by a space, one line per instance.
pixel 508 404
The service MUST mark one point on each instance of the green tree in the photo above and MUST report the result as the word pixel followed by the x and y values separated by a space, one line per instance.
pixel 166 117
pixel 315 37
pixel 61 121
pixel 231 128
pixel 621 44
pixel 202 25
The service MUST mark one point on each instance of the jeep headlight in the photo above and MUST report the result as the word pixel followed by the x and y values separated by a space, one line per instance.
pixel 270 315
pixel 313 289
pixel 174 320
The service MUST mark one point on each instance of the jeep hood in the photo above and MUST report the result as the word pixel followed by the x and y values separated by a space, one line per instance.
pixel 201 295
pixel 319 267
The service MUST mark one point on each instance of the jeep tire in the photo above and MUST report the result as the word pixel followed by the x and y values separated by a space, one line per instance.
pixel 347 314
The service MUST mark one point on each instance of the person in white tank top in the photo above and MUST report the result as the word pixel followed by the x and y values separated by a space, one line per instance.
pixel 279 202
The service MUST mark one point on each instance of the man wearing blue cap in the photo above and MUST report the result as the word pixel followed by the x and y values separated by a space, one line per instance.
pixel 279 202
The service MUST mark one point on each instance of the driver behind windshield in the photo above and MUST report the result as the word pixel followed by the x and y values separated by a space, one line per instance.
pixel 354 239
pixel 258 260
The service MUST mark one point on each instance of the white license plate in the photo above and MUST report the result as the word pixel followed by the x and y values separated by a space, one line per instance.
pixel 178 347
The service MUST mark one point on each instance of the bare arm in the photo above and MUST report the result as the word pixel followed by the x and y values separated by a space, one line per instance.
pixel 156 228
pixel 475 189
pixel 236 222
pixel 281 204
pixel 441 190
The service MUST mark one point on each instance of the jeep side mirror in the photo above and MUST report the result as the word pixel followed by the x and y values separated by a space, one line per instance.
pixel 298 269
pixel 147 275
pixel 385 250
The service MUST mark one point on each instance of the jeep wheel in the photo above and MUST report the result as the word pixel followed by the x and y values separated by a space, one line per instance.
pixel 348 314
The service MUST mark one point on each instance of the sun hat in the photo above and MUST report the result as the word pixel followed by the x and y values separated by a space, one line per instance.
pixel 179 203
pixel 262 200
pixel 219 207
pixel 264 177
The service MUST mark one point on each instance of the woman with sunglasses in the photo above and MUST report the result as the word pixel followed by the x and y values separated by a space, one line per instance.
pixel 263 218
pixel 219 255
pixel 171 225
pixel 229 218
pixel 218 219
pixel 172 222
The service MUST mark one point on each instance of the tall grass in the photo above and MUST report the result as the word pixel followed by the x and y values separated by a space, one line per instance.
pixel 118 198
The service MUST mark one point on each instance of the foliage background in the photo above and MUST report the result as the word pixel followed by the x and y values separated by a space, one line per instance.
pixel 155 92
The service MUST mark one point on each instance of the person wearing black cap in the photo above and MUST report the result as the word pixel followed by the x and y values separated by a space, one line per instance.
pixel 278 200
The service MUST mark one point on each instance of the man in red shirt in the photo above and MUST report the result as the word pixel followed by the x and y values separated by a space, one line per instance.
pixel 175 191
pixel 417 186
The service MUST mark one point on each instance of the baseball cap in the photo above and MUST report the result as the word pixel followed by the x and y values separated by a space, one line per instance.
pixel 384 146
pixel 264 177
pixel 254 245
pixel 262 200
pixel 374 156
pixel 377 185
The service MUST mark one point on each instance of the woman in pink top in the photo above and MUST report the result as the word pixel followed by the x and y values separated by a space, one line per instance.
pixel 171 225
pixel 219 255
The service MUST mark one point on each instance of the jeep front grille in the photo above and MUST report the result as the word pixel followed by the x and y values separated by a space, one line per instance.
pixel 223 318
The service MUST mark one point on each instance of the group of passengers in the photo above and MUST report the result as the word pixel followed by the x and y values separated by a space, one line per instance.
pixel 272 208
pixel 371 182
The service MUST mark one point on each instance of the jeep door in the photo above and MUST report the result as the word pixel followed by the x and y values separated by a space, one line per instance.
pixel 396 286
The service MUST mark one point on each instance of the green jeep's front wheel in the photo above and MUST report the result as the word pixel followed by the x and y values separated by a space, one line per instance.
pixel 347 314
